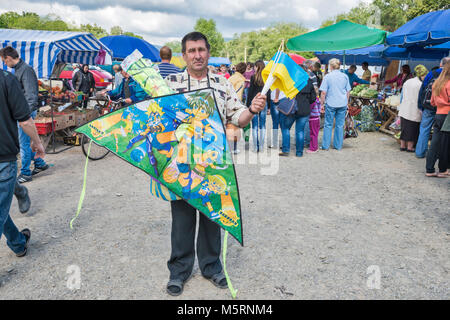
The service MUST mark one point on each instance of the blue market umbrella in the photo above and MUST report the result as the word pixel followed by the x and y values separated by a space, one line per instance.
pixel 409 53
pixel 354 56
pixel 122 46
pixel 427 29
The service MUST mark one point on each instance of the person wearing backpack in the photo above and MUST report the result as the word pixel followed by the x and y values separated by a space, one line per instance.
pixel 296 110
pixel 428 111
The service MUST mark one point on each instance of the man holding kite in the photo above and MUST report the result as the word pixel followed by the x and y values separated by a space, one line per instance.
pixel 196 52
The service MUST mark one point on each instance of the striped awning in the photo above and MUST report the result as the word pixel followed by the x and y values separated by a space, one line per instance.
pixel 44 49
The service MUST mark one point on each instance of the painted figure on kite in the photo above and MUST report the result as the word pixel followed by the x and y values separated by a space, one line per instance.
pixel 158 132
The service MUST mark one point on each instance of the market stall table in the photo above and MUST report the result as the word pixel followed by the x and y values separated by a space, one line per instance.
pixel 392 113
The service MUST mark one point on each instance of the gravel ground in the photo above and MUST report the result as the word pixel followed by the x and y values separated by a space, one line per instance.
pixel 324 226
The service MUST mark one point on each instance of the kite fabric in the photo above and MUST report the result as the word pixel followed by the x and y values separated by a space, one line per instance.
pixel 179 140
pixel 289 76
pixel 150 80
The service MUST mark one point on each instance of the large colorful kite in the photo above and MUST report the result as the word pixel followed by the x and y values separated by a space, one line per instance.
pixel 179 140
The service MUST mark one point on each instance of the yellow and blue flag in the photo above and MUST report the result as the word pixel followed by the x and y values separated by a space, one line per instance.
pixel 289 76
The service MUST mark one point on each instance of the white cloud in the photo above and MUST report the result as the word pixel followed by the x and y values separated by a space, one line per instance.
pixel 161 21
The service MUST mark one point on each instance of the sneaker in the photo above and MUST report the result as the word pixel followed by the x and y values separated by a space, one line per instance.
pixel 284 154
pixel 22 178
pixel 27 234
pixel 39 169
pixel 310 151
pixel 24 202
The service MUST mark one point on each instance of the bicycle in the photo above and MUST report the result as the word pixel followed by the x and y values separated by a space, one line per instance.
pixel 98 152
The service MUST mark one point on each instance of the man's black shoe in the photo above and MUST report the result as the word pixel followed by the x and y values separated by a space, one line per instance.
pixel 27 234
pixel 24 178
pixel 24 201
pixel 36 170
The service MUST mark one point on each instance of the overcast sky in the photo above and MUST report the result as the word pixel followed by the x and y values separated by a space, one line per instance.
pixel 160 21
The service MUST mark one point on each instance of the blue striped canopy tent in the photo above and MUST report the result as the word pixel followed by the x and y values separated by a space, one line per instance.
pixel 44 49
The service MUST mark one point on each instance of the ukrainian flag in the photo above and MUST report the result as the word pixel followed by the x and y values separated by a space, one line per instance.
pixel 289 76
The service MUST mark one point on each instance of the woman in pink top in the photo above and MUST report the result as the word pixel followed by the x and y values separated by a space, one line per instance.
pixel 401 77
pixel 440 143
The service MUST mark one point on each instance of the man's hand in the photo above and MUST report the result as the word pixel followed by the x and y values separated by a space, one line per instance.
pixel 128 100
pixel 258 103
pixel 38 148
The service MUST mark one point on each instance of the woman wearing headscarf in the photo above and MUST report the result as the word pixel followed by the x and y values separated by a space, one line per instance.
pixel 401 78
pixel 84 81
pixel 409 112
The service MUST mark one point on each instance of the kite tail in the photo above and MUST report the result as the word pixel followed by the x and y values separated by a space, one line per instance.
pixel 83 190
pixel 224 258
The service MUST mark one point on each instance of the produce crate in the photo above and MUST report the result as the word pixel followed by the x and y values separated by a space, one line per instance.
pixel 44 128
pixel 61 121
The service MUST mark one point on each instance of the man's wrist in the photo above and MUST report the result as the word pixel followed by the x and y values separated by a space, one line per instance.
pixel 251 111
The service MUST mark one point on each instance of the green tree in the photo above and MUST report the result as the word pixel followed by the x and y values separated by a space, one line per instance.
pixel 28 20
pixel 116 31
pixel 391 14
pixel 262 44
pixel 8 19
pixel 215 39
pixel 175 46
pixel 424 6
pixel 96 30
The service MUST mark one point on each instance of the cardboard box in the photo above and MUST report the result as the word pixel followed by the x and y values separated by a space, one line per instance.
pixel 80 118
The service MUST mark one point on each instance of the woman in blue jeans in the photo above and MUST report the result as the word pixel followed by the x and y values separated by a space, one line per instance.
pixel 304 99
pixel 258 121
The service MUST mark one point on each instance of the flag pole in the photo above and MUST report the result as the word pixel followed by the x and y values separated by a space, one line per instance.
pixel 271 79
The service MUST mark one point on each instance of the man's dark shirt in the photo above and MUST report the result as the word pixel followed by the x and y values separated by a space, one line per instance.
pixel 13 108
pixel 29 82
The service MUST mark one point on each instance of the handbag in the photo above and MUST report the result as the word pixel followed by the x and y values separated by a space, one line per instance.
pixel 287 106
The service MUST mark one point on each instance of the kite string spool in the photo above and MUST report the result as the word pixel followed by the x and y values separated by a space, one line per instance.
pixel 83 190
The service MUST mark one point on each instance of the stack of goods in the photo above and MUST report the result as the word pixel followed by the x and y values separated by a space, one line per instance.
pixel 365 120
pixel 393 101
pixel 364 91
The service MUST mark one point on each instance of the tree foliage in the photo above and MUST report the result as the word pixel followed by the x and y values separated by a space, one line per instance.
pixel 32 21
pixel 175 46
pixel 388 15
pixel 215 38
pixel 262 44
pixel 425 6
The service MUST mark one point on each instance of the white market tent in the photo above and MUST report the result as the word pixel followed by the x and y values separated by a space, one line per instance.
pixel 44 49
